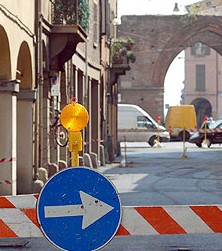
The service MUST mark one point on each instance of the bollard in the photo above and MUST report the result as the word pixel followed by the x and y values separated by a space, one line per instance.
pixel 124 161
pixel 157 143
pixel 184 156
pixel 204 145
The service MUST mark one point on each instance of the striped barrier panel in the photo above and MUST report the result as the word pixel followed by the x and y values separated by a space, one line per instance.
pixel 155 220
pixel 2 160
pixel 18 216
pixel 178 130
pixel 18 219
pixel 196 130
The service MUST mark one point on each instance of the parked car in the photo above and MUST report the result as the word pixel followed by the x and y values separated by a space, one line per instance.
pixel 213 134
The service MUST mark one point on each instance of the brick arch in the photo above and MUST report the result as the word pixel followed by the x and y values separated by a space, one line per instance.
pixel 24 67
pixel 158 40
pixel 5 58
pixel 207 30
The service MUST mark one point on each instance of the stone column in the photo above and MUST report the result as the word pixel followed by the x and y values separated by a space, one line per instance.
pixel 25 141
pixel 8 136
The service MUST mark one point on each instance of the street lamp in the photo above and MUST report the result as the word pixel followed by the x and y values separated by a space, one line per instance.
pixel 176 8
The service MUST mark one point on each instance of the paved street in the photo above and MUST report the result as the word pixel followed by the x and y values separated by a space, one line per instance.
pixel 161 176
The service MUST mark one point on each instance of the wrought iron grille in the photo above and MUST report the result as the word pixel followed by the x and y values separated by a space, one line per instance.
pixel 70 12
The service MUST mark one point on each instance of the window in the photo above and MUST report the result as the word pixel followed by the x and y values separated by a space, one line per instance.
pixel 208 4
pixel 200 77
pixel 95 23
pixel 104 17
pixel 143 121
pixel 200 50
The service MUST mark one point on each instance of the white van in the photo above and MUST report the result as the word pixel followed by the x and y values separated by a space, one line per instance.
pixel 136 125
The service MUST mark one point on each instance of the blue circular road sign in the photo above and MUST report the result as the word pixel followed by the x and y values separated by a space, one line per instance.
pixel 79 209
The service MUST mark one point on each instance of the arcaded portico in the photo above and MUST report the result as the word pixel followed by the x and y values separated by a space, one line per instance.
pixel 16 108
pixel 50 52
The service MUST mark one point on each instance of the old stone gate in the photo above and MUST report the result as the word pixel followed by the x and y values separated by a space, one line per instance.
pixel 158 40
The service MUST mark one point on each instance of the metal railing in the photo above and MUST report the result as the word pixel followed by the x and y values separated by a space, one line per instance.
pixel 65 12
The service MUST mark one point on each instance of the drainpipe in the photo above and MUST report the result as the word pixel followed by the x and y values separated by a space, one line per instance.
pixel 108 107
pixel 40 81
pixel 85 95
pixel 217 87
pixel 38 76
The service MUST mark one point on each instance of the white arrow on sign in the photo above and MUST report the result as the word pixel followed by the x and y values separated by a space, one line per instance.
pixel 91 209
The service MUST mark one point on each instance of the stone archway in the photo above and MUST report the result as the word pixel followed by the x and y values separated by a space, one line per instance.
pixel 203 108
pixel 158 40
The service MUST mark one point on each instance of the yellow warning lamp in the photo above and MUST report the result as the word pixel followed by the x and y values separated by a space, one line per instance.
pixel 74 117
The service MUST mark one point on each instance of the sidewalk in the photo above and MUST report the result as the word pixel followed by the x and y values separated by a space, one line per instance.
pixel 114 164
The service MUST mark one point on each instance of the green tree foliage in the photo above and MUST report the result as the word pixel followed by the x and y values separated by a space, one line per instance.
pixel 192 15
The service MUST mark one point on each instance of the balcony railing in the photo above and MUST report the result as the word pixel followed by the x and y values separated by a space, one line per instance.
pixel 71 12
pixel 122 51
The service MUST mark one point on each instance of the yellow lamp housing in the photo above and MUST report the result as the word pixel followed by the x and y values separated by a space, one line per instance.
pixel 74 117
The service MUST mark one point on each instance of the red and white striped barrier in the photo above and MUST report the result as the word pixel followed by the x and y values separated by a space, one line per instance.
pixel 18 216
pixel 6 182
pixel 154 220
pixel 18 219
pixel 2 160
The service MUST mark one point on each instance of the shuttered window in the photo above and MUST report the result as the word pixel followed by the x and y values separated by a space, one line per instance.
pixel 104 17
pixel 200 77
pixel 95 23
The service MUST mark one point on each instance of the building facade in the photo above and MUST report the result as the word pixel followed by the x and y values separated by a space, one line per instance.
pixel 203 81
pixel 50 52
pixel 203 66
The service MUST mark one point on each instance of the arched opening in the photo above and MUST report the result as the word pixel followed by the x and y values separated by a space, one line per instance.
pixel 174 82
pixel 203 108
pixel 24 67
pixel 5 65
